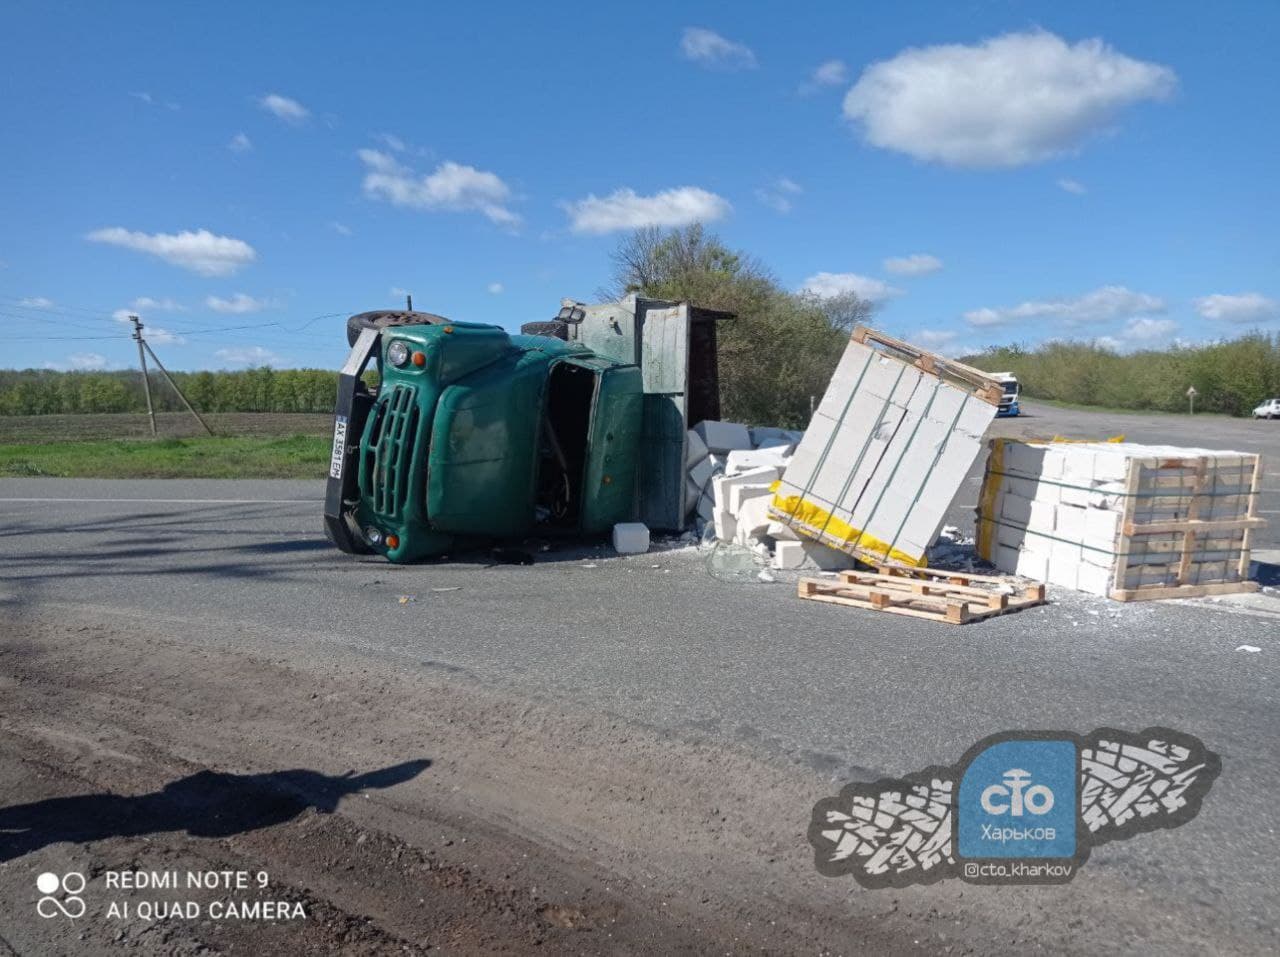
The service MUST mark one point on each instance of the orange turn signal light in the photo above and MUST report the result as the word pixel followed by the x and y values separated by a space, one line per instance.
pixel 419 359
pixel 393 541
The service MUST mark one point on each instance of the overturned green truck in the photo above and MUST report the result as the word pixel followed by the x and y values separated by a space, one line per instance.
pixel 474 433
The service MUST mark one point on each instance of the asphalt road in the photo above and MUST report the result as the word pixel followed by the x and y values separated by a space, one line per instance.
pixel 673 640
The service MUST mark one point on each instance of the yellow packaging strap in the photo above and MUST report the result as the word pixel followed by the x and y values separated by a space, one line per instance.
pixel 841 532
pixel 987 498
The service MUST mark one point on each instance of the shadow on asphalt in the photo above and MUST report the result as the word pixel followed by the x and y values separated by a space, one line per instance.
pixel 1265 574
pixel 204 804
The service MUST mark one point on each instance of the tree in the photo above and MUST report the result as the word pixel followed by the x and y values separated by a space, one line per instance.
pixel 777 356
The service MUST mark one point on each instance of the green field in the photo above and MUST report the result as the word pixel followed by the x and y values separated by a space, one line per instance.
pixel 248 445
pixel 297 456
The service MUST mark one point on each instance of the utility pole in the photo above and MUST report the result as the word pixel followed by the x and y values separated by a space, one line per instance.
pixel 169 379
pixel 142 361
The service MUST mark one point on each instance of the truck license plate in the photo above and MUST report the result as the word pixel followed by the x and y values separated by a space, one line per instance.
pixel 339 447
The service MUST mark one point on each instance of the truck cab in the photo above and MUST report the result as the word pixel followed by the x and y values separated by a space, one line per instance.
pixel 474 432
pixel 1009 405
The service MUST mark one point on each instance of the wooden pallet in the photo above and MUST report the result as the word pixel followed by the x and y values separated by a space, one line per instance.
pixel 1188 536
pixel 952 597
pixel 979 383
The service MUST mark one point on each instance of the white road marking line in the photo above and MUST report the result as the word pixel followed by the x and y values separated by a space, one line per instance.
pixel 180 501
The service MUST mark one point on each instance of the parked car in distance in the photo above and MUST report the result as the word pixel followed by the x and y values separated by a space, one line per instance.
pixel 1268 410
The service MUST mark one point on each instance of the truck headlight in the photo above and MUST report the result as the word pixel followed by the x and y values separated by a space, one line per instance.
pixel 398 353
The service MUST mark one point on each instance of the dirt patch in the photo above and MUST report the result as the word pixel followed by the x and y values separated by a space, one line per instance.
pixel 17 429
pixel 409 811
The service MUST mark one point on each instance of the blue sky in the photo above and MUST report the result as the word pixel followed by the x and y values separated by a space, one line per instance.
pixel 990 172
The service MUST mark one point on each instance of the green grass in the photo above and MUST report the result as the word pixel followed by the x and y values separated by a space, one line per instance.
pixel 296 456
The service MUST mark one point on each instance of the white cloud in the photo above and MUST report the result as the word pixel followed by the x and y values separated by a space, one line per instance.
pixel 626 209
pixel 1146 329
pixel 946 342
pixel 830 73
pixel 36 302
pixel 249 356
pixel 826 285
pixel 150 100
pixel 917 264
pixel 395 292
pixel 1139 333
pixel 778 194
pixel 239 304
pixel 340 228
pixel 199 251
pixel 710 49
pixel 1106 304
pixel 1241 307
pixel 287 109
pixel 1072 186
pixel 451 186
pixel 240 143
pixel 1017 99
pixel 496 288
pixel 87 360
pixel 157 305
pixel 153 334
pixel 391 142
pixel 80 362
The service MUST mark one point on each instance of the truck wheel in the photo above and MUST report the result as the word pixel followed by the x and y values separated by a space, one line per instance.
pixel 382 319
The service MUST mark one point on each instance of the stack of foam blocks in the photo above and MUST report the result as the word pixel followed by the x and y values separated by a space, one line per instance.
pixel 733 470
pixel 1120 520
pixel 886 451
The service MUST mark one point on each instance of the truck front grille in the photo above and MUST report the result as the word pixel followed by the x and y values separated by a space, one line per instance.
pixel 392 444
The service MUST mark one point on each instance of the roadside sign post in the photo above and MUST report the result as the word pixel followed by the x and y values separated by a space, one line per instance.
pixel 1191 397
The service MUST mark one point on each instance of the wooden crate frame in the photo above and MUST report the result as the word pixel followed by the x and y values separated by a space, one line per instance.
pixel 1190 527
pixel 950 597
pixel 979 383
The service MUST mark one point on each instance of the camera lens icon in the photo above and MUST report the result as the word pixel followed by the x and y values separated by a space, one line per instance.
pixel 71 883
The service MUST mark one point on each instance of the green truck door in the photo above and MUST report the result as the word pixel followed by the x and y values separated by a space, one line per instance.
pixel 664 366
pixel 613 450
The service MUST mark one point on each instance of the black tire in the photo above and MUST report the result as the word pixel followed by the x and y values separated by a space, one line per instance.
pixel 382 319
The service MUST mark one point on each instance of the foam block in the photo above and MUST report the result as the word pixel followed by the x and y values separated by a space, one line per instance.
pixel 753 520
pixel 781 532
pixel 788 555
pixel 723 436
pixel 706 507
pixel 739 495
pixel 726 525
pixel 701 473
pixel 695 449
pixel 722 486
pixel 630 538
pixel 746 460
